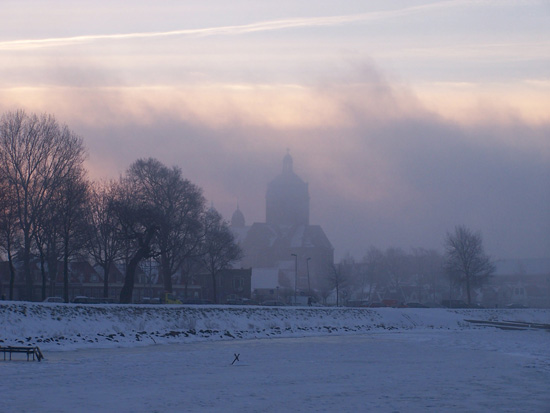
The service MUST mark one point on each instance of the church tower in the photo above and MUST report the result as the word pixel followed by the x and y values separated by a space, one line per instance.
pixel 287 198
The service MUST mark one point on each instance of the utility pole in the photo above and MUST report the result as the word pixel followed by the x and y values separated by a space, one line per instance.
pixel 308 282
pixel 295 275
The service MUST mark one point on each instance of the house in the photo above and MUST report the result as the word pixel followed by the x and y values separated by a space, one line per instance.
pixel 519 282
pixel 231 285
pixel 271 284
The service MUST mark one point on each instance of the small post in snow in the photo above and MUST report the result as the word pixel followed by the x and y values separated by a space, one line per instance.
pixel 236 358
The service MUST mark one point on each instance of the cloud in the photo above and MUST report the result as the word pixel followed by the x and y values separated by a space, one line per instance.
pixel 383 169
pixel 231 30
pixel 498 51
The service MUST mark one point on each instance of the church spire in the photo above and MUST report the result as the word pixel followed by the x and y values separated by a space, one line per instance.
pixel 287 163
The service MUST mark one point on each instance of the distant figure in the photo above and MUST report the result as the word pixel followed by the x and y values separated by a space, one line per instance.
pixel 309 301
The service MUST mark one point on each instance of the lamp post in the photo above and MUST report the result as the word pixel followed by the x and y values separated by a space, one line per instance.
pixel 295 275
pixel 308 282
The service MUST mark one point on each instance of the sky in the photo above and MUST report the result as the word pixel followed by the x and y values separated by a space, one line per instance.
pixel 406 118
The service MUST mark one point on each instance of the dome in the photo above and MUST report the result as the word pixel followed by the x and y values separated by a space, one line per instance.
pixel 237 219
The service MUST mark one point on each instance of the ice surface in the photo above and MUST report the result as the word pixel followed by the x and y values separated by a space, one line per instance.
pixel 324 360
pixel 438 371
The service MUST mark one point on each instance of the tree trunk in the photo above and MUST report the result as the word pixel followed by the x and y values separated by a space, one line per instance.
pixel 27 269
pixel 128 287
pixel 66 272
pixel 42 267
pixel 214 292
pixel 371 284
pixel 106 267
pixel 43 273
pixel 142 252
pixel 468 289
pixel 52 272
pixel 166 273
pixel 12 274
pixel 185 284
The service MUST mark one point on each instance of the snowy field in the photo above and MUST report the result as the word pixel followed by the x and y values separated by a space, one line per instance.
pixel 305 360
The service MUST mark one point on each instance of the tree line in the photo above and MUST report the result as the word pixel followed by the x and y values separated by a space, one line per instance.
pixel 463 265
pixel 52 212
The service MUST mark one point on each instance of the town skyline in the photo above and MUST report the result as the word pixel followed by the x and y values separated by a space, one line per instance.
pixel 405 118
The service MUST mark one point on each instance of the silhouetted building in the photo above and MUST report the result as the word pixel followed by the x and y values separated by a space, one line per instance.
pixel 287 198
pixel 286 231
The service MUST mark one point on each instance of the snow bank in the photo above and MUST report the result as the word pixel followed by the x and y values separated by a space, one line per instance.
pixel 69 326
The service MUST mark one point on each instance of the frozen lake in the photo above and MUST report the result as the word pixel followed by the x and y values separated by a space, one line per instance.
pixel 483 370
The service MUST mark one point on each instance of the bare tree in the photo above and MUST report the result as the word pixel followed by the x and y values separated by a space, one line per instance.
pixel 60 232
pixel 161 216
pixel 103 242
pixel 396 267
pixel 190 267
pixel 427 265
pixel 218 249
pixel 324 290
pixel 179 205
pixel 48 244
pixel 374 260
pixel 73 201
pixel 338 279
pixel 139 223
pixel 9 234
pixel 465 260
pixel 36 154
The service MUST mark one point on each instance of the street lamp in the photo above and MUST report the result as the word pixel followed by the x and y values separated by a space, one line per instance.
pixel 295 275
pixel 308 283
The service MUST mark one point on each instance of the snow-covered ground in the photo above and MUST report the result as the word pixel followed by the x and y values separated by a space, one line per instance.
pixel 67 326
pixel 291 359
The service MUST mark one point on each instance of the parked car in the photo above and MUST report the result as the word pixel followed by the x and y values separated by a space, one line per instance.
pixel 192 301
pixel 416 305
pixel 196 301
pixel 393 303
pixel 433 305
pixel 169 298
pixel 149 300
pixel 357 303
pixel 454 304
pixel 516 305
pixel 475 305
pixel 376 305
pixel 53 300
pixel 107 300
pixel 241 301
pixel 273 303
